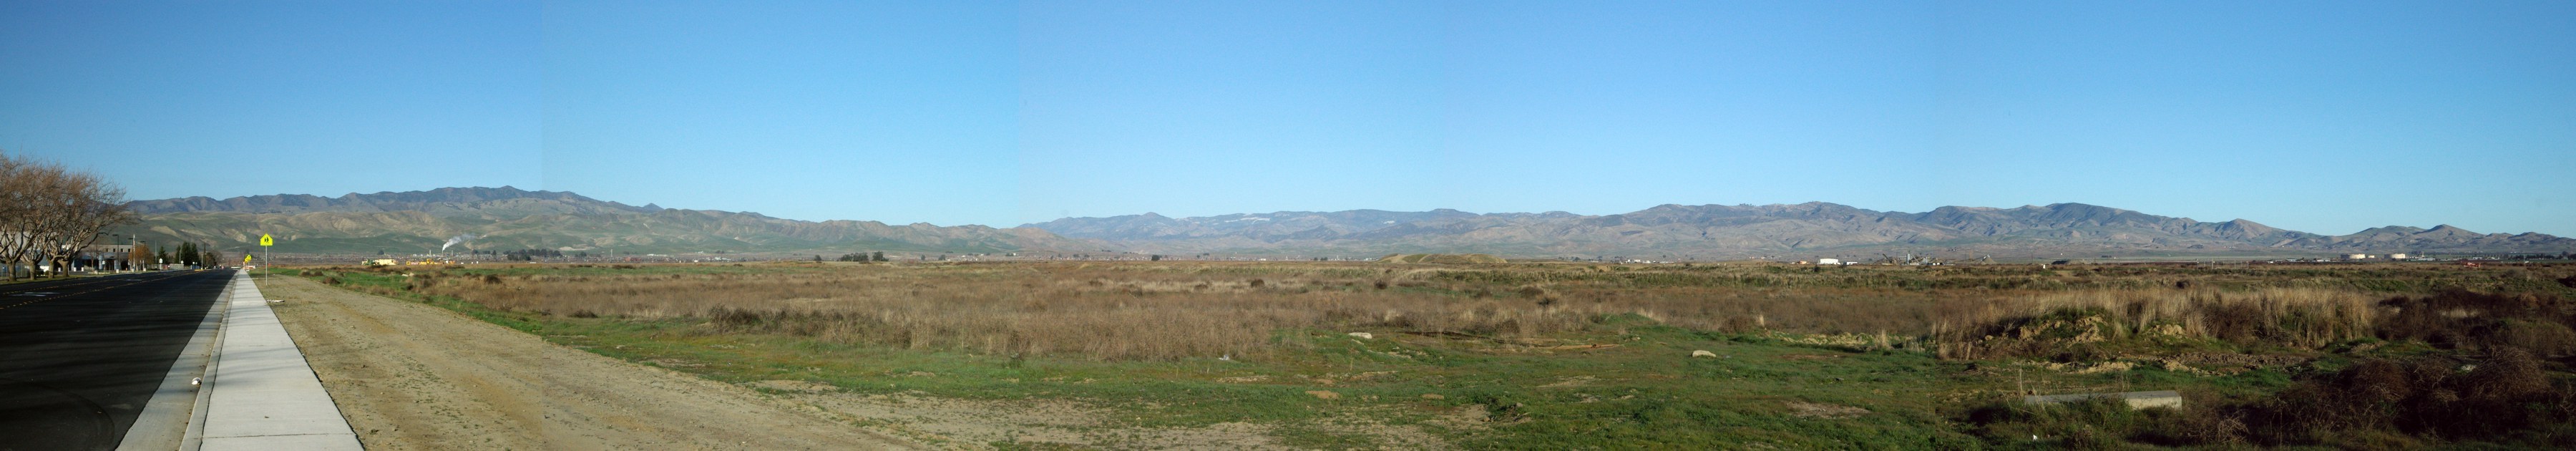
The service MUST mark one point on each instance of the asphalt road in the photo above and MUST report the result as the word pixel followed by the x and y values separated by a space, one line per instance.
pixel 79 357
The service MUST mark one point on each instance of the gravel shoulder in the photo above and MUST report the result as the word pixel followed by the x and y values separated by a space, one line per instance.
pixel 411 376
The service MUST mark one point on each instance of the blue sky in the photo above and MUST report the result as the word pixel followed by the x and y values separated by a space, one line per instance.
pixel 2325 117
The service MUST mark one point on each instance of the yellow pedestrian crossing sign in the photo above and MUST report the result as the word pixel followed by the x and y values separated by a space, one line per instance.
pixel 264 240
pixel 245 259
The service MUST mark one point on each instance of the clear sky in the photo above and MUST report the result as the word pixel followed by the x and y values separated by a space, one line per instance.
pixel 2325 117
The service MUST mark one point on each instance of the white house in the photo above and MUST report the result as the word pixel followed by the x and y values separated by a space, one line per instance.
pixel 1828 261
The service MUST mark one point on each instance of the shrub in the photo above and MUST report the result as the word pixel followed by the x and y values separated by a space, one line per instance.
pixel 2373 404
pixel 2511 375
pixel 2543 338
pixel 2506 393
pixel 2534 322
pixel 2077 324
pixel 2100 423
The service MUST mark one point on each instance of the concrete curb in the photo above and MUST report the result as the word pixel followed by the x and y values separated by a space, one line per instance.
pixel 262 396
pixel 196 433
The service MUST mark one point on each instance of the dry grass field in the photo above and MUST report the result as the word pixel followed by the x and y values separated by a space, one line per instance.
pixel 1537 344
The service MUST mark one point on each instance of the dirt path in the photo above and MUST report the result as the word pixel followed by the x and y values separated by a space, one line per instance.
pixel 412 376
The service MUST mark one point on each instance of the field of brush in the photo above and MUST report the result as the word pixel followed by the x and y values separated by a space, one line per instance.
pixel 1564 355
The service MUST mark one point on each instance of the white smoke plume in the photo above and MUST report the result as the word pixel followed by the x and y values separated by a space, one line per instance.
pixel 453 241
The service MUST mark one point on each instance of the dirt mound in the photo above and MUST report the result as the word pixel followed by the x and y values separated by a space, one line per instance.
pixel 1444 259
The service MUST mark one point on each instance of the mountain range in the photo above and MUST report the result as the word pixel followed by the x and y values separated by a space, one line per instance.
pixel 508 218
pixel 1738 231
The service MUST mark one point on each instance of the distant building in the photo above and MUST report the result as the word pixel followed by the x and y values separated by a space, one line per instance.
pixel 109 256
pixel 2357 257
pixel 2396 256
pixel 1828 261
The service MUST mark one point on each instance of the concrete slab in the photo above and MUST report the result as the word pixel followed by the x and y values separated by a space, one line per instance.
pixel 281 442
pixel 2135 399
pixel 263 395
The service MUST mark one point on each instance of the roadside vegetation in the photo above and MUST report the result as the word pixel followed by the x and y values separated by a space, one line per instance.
pixel 1558 355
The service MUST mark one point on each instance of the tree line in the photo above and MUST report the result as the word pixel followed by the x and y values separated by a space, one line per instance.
pixel 49 213
pixel 532 254
pixel 185 254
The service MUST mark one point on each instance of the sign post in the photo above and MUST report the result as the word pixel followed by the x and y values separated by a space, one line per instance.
pixel 264 242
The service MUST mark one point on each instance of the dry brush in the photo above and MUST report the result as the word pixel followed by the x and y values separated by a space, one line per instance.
pixel 1172 310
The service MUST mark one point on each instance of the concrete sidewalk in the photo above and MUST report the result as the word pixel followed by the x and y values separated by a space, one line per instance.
pixel 261 394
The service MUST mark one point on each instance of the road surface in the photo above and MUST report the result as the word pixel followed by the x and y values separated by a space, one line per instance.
pixel 80 357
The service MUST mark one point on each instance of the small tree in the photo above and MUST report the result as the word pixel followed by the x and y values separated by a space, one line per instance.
pixel 138 256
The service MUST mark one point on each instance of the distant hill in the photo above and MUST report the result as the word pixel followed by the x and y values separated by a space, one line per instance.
pixel 443 201
pixel 507 218
pixel 1735 231
pixel 2438 238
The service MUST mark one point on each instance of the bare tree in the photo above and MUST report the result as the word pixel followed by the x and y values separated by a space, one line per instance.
pixel 55 209
pixel 22 186
pixel 95 205
pixel 13 236
pixel 49 214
